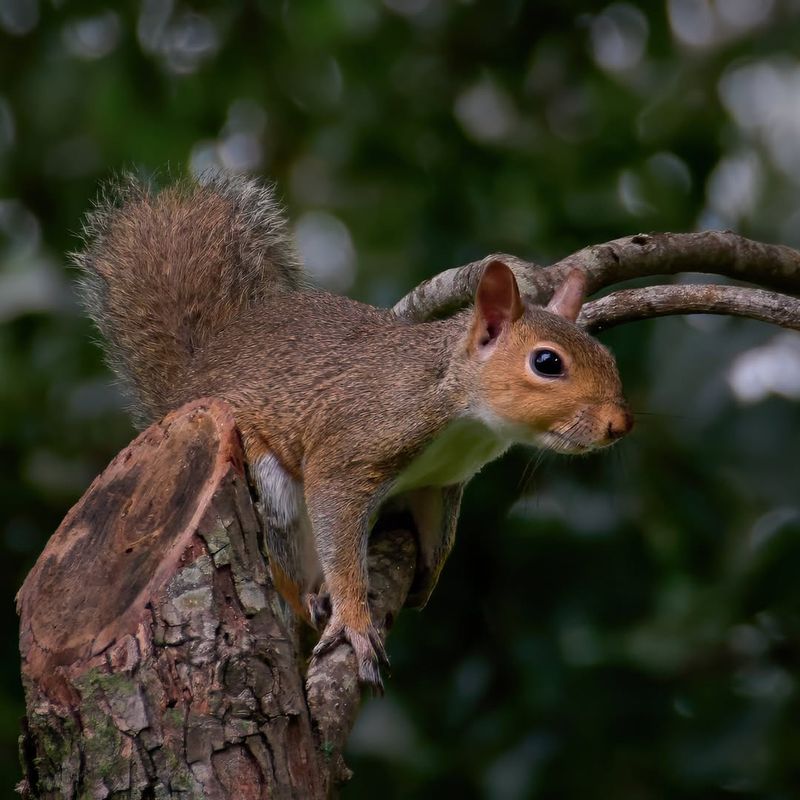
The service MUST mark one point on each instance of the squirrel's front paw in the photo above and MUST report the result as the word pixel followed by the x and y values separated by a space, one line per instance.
pixel 367 645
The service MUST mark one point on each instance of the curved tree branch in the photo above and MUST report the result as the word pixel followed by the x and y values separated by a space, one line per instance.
pixel 772 266
pixel 630 305
pixel 455 288
pixel 644 255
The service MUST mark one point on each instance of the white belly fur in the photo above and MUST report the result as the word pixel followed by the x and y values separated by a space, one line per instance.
pixel 454 457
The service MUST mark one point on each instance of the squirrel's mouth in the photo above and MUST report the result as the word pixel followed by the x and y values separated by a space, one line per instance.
pixel 590 429
pixel 562 443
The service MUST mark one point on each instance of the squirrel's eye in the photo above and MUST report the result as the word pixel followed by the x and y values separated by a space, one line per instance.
pixel 547 363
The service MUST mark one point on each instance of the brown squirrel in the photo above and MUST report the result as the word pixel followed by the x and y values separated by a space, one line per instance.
pixel 342 407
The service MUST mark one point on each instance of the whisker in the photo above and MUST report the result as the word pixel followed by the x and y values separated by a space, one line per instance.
pixel 661 414
pixel 622 456
pixel 568 428
pixel 619 454
pixel 523 476
pixel 530 471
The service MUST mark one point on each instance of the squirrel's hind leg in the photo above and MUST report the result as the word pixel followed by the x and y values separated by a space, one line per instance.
pixel 289 541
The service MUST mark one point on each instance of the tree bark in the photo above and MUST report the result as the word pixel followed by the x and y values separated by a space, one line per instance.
pixel 157 659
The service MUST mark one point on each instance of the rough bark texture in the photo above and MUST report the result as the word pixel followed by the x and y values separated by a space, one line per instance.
pixel 157 660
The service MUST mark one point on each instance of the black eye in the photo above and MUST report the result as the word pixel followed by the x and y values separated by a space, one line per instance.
pixel 547 363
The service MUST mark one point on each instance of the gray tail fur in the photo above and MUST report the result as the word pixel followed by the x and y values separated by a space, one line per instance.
pixel 162 271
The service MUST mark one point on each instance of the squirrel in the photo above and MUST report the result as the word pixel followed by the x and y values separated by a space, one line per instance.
pixel 342 407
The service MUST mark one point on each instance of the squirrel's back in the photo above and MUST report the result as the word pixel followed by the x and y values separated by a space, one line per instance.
pixel 165 272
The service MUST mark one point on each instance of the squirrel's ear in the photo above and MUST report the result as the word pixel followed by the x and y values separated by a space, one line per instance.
pixel 567 299
pixel 497 304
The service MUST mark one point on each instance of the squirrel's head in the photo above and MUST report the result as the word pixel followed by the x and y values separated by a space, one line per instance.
pixel 543 380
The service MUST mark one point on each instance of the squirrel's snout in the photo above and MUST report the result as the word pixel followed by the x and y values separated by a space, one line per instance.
pixel 620 422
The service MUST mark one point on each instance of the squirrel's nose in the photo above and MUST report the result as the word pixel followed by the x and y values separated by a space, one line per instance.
pixel 620 423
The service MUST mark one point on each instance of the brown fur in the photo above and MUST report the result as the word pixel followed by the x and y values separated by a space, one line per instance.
pixel 289 589
pixel 163 273
pixel 198 292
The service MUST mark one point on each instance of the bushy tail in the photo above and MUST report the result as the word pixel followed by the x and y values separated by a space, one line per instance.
pixel 162 271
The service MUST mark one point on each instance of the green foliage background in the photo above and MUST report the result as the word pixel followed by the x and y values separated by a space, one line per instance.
pixel 620 626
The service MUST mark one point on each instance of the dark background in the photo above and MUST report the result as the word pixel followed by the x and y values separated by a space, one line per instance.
pixel 620 626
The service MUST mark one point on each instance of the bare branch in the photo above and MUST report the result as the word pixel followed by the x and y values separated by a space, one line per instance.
pixel 455 288
pixel 725 253
pixel 644 255
pixel 657 301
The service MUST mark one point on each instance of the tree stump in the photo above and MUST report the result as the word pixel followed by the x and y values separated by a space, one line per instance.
pixel 157 658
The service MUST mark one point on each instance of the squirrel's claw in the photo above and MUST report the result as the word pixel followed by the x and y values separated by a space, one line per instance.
pixel 378 648
pixel 367 646
pixel 318 606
